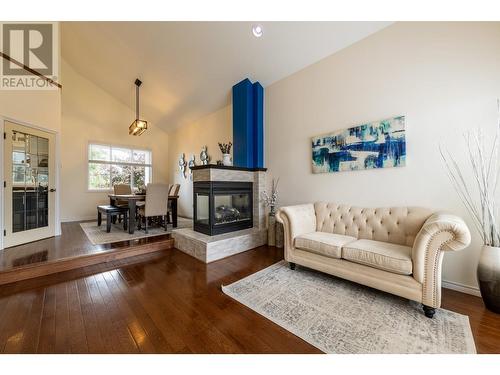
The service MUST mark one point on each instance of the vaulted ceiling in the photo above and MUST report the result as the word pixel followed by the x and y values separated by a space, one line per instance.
pixel 188 68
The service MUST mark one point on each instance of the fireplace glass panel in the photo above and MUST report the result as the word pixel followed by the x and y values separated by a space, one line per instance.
pixel 231 208
pixel 202 208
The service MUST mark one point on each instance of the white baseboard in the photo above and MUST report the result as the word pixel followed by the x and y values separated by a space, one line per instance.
pixel 86 218
pixel 473 290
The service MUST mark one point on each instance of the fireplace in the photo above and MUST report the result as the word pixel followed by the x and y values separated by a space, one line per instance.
pixel 222 206
pixel 225 199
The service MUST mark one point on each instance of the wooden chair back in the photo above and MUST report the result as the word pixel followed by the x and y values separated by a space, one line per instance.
pixel 122 189
pixel 174 190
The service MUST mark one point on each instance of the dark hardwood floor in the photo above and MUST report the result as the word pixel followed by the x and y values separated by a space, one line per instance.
pixel 485 324
pixel 165 303
pixel 73 242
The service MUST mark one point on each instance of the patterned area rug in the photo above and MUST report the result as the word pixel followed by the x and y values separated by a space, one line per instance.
pixel 338 316
pixel 98 235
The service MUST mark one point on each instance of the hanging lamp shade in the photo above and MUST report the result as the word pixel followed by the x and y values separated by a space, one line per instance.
pixel 138 126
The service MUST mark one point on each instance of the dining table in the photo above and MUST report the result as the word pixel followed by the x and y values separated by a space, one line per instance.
pixel 132 200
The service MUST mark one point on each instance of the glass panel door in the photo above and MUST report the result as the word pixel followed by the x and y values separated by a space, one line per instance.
pixel 30 178
pixel 29 204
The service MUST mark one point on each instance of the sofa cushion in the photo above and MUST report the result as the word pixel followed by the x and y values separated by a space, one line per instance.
pixel 382 255
pixel 327 244
pixel 398 225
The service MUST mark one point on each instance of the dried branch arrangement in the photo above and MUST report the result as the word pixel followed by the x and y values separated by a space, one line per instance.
pixel 225 148
pixel 484 162
pixel 271 200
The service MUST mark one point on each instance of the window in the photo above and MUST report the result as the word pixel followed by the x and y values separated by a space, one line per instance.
pixel 110 165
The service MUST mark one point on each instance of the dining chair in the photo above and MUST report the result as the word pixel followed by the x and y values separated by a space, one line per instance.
pixel 155 204
pixel 174 192
pixel 121 189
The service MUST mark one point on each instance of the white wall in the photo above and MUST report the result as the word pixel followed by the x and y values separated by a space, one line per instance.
pixel 444 77
pixel 38 108
pixel 91 114
pixel 189 139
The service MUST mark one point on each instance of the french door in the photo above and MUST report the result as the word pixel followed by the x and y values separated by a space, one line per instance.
pixel 29 188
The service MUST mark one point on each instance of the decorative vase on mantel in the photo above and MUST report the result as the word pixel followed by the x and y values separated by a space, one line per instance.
pixel 488 277
pixel 226 160
pixel 225 149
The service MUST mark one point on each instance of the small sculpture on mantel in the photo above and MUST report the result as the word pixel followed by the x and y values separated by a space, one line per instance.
pixel 205 159
pixel 182 165
pixel 191 164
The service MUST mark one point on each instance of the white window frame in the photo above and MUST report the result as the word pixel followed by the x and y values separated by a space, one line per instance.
pixel 110 163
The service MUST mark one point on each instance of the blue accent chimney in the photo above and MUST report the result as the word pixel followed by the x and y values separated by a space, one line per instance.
pixel 258 119
pixel 248 124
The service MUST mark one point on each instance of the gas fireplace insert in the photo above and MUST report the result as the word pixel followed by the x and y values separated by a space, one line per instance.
pixel 222 206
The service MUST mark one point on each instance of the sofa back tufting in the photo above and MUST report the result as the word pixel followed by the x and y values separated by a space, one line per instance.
pixel 397 225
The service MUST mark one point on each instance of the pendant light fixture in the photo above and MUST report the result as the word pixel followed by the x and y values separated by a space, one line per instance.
pixel 138 126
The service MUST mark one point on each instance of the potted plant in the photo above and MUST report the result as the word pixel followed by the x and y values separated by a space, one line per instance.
pixel 225 148
pixel 484 210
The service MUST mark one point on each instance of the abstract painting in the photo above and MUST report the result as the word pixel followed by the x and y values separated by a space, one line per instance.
pixel 379 144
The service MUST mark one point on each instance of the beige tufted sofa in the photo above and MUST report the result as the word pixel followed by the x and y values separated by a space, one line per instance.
pixel 398 249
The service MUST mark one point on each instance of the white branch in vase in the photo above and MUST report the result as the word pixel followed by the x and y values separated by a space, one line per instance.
pixel 485 171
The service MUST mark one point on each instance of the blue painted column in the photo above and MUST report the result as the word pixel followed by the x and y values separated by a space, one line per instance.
pixel 248 124
pixel 243 124
pixel 258 123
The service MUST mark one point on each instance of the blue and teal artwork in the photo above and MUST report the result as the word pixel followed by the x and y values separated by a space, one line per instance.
pixel 379 144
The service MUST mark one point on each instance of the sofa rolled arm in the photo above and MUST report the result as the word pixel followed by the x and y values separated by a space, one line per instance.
pixel 441 232
pixel 296 220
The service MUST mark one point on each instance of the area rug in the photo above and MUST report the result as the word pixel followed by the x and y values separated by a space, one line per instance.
pixel 338 316
pixel 98 235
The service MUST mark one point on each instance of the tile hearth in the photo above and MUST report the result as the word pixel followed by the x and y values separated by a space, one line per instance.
pixel 210 248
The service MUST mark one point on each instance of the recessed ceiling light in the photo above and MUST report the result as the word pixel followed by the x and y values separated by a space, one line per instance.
pixel 257 31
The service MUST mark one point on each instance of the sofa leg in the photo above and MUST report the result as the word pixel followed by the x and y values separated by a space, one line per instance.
pixel 292 265
pixel 429 311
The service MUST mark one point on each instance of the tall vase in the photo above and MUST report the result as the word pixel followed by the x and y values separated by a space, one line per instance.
pixel 271 228
pixel 279 235
pixel 488 276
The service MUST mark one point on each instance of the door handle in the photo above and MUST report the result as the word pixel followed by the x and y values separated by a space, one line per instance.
pixel 52 190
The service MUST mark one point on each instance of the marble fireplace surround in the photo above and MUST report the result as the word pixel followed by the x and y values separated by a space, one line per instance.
pixel 210 248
